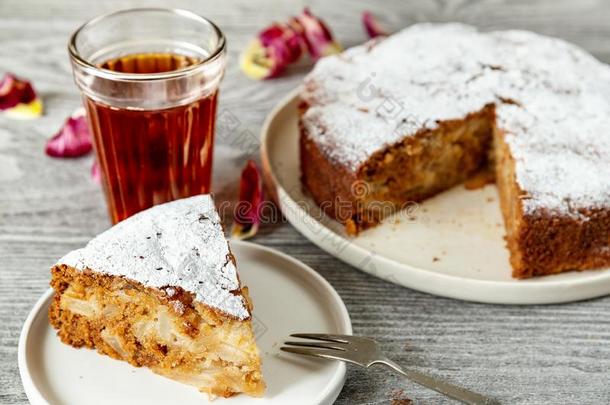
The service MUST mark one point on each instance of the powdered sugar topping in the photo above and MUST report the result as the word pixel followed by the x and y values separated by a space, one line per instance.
pixel 374 95
pixel 177 244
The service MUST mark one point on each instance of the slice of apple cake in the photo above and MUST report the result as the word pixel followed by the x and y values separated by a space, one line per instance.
pixel 160 289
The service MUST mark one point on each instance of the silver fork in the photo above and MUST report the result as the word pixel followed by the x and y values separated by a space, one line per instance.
pixel 366 352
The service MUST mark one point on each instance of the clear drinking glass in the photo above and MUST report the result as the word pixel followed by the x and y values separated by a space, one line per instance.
pixel 149 80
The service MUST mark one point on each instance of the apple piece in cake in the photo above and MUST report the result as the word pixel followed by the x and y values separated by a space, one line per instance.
pixel 160 290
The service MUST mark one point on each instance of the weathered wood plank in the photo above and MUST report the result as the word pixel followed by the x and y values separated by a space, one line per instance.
pixel 534 355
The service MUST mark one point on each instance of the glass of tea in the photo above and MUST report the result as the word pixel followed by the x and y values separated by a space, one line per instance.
pixel 149 80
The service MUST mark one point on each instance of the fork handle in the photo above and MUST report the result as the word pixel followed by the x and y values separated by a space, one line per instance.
pixel 448 389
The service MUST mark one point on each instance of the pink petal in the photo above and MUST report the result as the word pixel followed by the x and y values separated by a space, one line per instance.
pixel 73 139
pixel 96 174
pixel 247 214
pixel 283 43
pixel 280 45
pixel 372 26
pixel 14 91
pixel 275 48
pixel 317 35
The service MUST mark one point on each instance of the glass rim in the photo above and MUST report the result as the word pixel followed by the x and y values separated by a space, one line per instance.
pixel 113 75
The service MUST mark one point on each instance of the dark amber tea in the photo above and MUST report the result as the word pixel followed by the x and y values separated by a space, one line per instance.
pixel 150 79
pixel 151 157
pixel 149 63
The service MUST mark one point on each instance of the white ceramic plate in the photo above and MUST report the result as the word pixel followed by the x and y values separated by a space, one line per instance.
pixel 288 296
pixel 450 245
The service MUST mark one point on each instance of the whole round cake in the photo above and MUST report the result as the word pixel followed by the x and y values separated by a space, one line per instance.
pixel 402 118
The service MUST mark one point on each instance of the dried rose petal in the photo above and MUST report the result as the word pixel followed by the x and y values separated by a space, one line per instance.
pixel 317 35
pixel 280 45
pixel 27 111
pixel 372 26
pixel 96 174
pixel 255 63
pixel 73 139
pixel 266 57
pixel 14 91
pixel 284 43
pixel 18 98
pixel 247 214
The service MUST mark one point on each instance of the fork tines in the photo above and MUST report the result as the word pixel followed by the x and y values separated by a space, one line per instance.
pixel 365 352
pixel 323 345
pixel 323 336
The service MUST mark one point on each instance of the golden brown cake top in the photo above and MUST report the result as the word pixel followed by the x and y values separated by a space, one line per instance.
pixel 177 244
pixel 552 100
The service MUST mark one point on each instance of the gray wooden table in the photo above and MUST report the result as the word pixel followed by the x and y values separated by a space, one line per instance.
pixel 555 354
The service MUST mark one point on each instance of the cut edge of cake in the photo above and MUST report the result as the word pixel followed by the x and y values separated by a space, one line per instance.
pixel 542 242
pixel 411 170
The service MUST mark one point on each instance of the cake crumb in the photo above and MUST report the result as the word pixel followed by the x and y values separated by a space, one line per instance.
pixel 400 398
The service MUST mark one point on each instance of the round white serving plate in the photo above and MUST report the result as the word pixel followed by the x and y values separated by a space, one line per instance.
pixel 289 297
pixel 451 245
